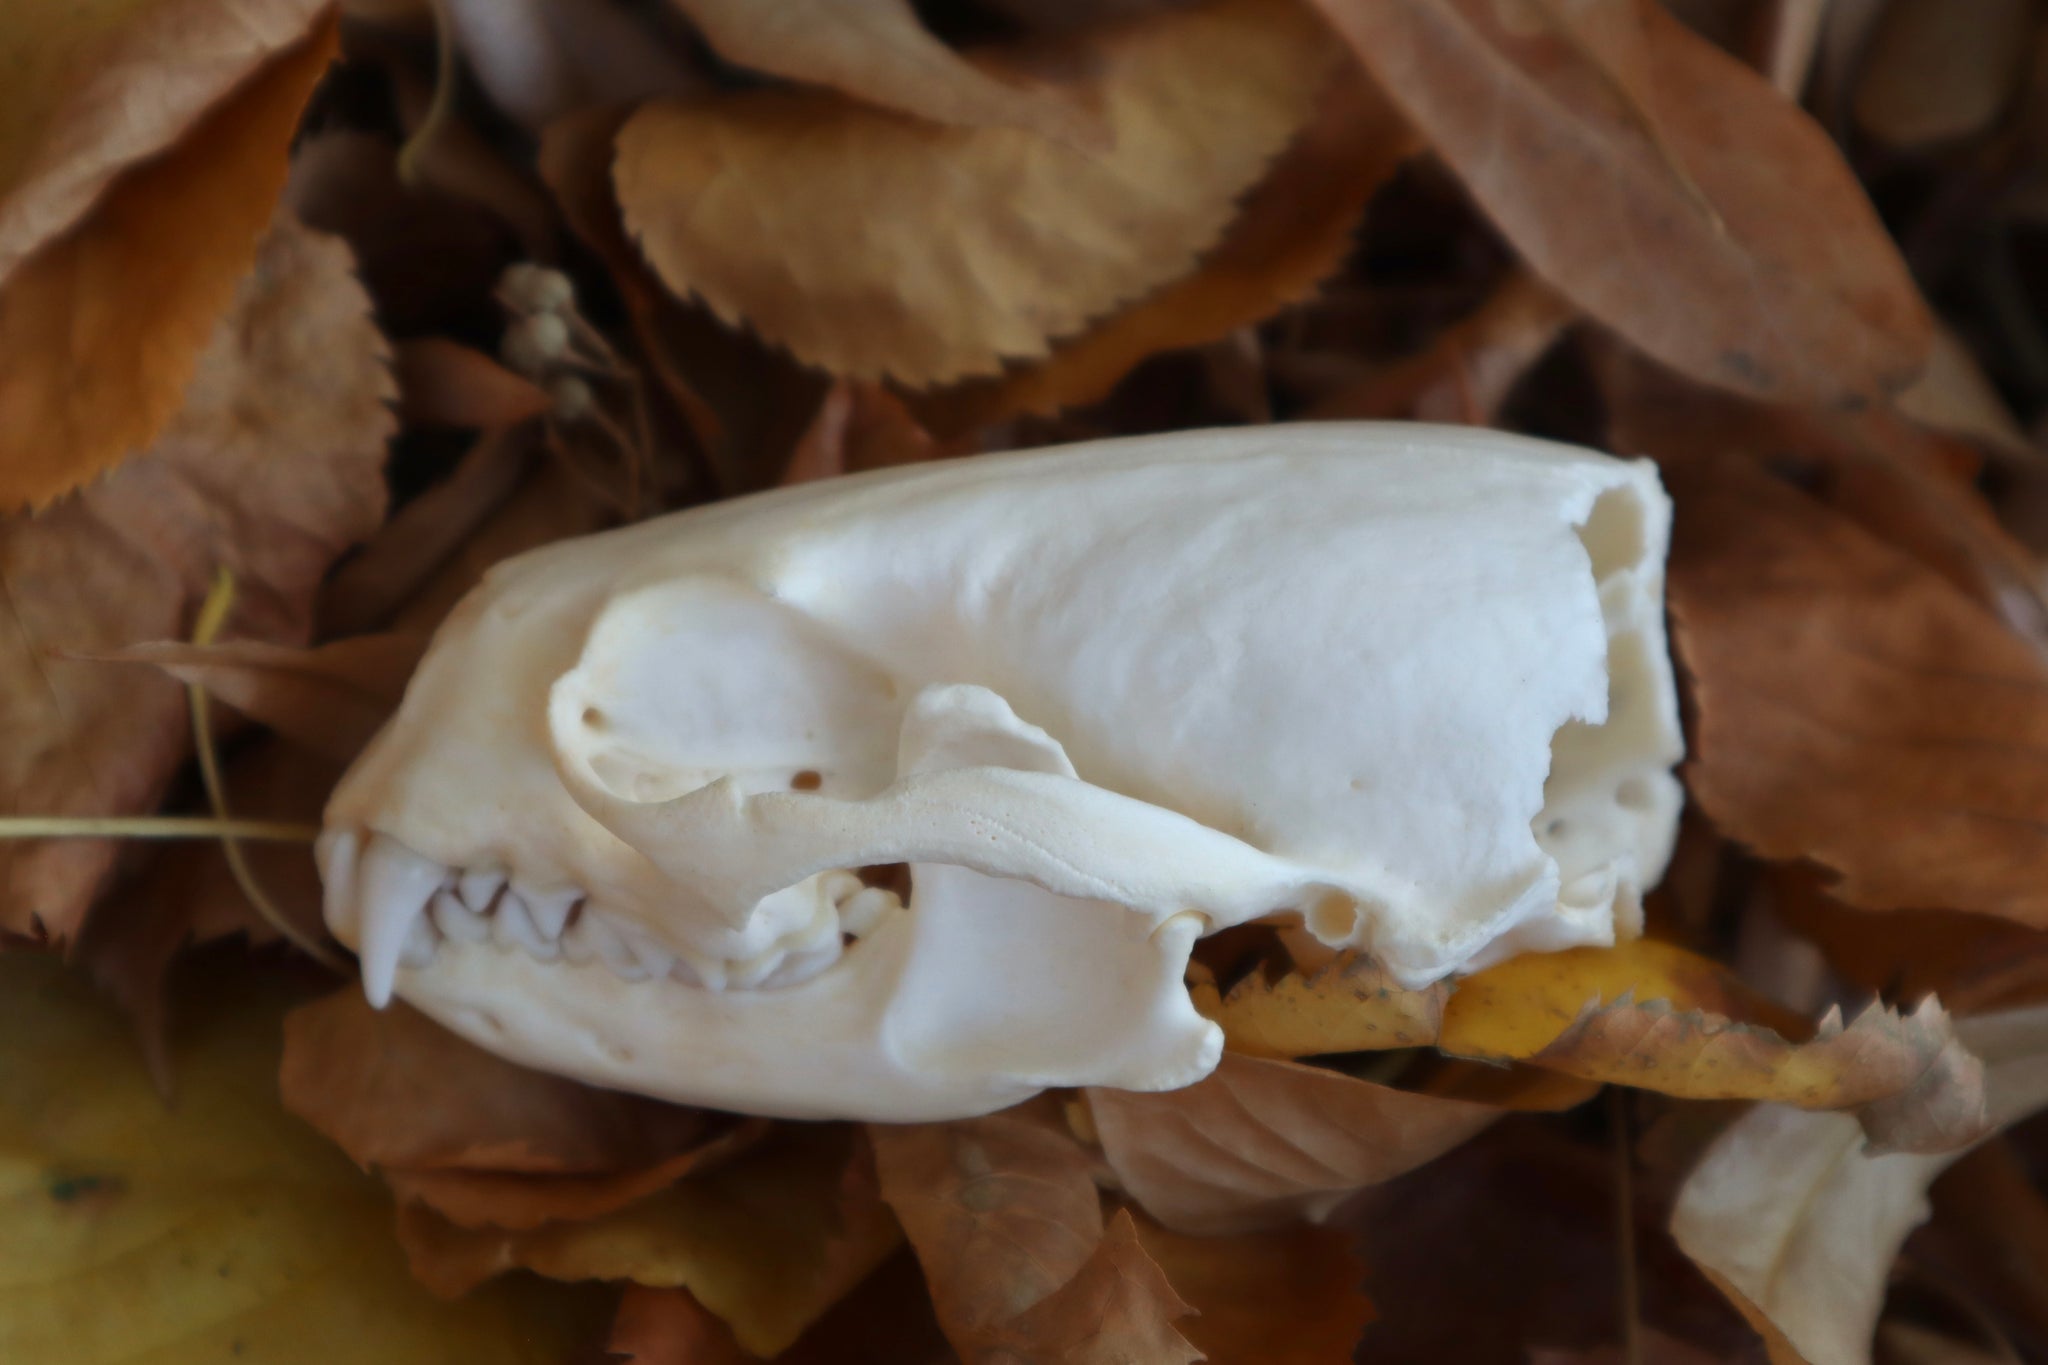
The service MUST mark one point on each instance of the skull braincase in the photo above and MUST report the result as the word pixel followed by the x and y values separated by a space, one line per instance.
pixel 1407 683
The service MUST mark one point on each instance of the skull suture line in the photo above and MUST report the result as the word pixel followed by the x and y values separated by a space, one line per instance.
pixel 1408 682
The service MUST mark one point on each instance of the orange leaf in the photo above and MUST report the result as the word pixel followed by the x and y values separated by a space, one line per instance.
pixel 1261 1143
pixel 744 199
pixel 1659 184
pixel 1350 1005
pixel 272 468
pixel 1294 230
pixel 1288 1297
pixel 102 329
pixel 1117 1309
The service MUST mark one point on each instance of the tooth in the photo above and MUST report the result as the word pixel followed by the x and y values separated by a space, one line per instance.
pixel 458 921
pixel 754 970
pixel 479 886
pixel 550 909
pixel 597 935
pixel 685 973
pixel 420 943
pixel 512 927
pixel 709 971
pixel 654 959
pixel 335 851
pixel 839 886
pixel 801 967
pixel 864 910
pixel 396 884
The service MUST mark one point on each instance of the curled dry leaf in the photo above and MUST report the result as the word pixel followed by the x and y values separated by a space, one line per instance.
pixel 1118 1308
pixel 1348 1005
pixel 273 467
pixel 1855 707
pixel 878 51
pixel 217 1229
pixel 742 199
pixel 1287 1297
pixel 444 383
pixel 1001 1212
pixel 393 1088
pixel 1798 1224
pixel 102 328
pixel 768 1241
pixel 1260 1143
pixel 329 698
pixel 1659 184
pixel 1295 229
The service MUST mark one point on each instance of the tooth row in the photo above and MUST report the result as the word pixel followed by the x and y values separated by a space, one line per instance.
pixel 412 904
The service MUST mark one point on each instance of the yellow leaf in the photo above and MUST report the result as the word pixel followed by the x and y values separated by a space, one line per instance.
pixel 768 1242
pixel 1351 1005
pixel 219 1229
pixel 874 245
pixel 102 328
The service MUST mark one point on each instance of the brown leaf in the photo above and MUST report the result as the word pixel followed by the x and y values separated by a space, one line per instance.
pixel 1350 1005
pixel 330 698
pixel 768 1241
pixel 858 427
pixel 1288 1297
pixel 1658 1348
pixel 103 328
pixel 1001 1211
pixel 1854 706
pixel 1927 79
pixel 742 200
pixel 1295 228
pixel 271 469
pixel 393 1088
pixel 1259 1143
pixel 1658 184
pixel 669 1327
pixel 878 51
pixel 1117 1310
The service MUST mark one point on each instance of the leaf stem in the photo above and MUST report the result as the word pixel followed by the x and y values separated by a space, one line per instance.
pixel 154 827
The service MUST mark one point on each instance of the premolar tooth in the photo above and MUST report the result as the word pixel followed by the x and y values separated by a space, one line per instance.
pixel 550 909
pixel 420 943
pixel 458 921
pixel 654 959
pixel 512 927
pixel 839 886
pixel 800 967
pixel 865 908
pixel 754 970
pixel 479 886
pixel 600 934
pixel 396 884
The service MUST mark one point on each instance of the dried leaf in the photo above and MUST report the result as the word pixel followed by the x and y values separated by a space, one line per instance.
pixel 1117 1309
pixel 1927 79
pixel 1289 1297
pixel 219 1229
pixel 858 427
pixel 1350 1005
pixel 1799 1226
pixel 1295 229
pixel 103 329
pixel 741 199
pixel 331 698
pixel 1001 1211
pixel 1658 1348
pixel 1854 706
pixel 1659 184
pixel 768 1242
pixel 1259 1143
pixel 669 1327
pixel 878 51
pixel 272 468
pixel 393 1088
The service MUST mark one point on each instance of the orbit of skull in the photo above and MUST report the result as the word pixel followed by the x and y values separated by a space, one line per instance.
pixel 907 796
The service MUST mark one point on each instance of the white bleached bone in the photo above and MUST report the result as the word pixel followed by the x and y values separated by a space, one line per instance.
pixel 1404 682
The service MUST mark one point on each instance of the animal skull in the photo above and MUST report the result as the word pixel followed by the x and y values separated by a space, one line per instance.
pixel 1408 683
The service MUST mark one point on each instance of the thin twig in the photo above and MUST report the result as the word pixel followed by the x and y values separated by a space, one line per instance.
pixel 1625 1227
pixel 154 827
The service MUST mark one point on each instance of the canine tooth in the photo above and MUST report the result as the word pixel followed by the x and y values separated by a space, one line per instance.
pixel 864 910
pixel 396 884
pixel 550 909
pixel 456 920
pixel 479 886
pixel 420 943
pixel 512 927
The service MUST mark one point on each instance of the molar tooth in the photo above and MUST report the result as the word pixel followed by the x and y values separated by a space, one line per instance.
pixel 800 967
pixel 396 884
pixel 512 927
pixel 654 959
pixel 550 909
pixel 456 920
pixel 865 909
pixel 479 886
pixel 600 935
pixel 753 971
pixel 839 886
pixel 685 973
